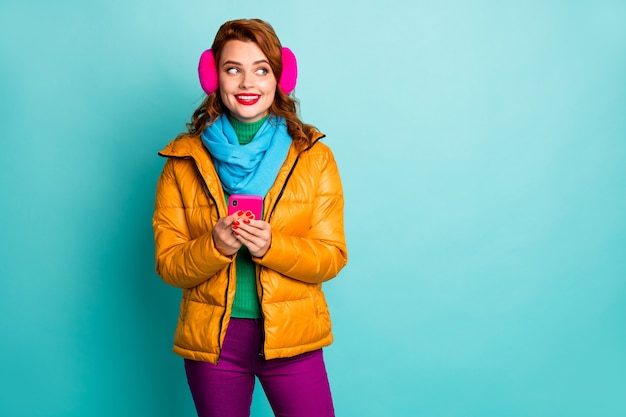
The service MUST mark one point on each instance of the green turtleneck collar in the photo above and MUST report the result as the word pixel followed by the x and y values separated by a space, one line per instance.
pixel 246 131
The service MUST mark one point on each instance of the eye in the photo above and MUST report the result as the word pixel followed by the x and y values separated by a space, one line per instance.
pixel 262 71
pixel 232 70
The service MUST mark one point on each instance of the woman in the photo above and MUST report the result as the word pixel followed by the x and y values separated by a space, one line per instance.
pixel 252 300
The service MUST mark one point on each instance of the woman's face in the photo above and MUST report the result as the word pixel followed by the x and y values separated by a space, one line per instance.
pixel 247 83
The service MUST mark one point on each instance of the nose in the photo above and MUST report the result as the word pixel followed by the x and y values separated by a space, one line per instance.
pixel 246 80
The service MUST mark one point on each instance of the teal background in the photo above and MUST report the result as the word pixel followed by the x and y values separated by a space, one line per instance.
pixel 482 145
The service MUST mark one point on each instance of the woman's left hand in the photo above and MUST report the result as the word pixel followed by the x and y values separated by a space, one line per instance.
pixel 256 235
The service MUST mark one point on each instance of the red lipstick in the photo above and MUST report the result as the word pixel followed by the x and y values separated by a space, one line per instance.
pixel 247 99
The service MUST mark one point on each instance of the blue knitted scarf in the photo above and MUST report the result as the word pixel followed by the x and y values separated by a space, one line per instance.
pixel 251 168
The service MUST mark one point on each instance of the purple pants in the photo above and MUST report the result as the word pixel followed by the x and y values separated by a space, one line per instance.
pixel 295 387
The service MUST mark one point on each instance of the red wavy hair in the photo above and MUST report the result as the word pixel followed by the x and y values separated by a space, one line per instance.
pixel 286 106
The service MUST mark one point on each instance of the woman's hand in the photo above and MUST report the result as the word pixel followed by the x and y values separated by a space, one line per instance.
pixel 256 235
pixel 225 241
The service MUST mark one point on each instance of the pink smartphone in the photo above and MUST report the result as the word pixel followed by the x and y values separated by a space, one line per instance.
pixel 245 202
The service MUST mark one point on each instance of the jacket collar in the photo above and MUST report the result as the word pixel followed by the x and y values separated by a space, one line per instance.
pixel 191 147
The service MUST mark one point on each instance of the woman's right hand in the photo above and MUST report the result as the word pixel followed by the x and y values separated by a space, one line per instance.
pixel 225 242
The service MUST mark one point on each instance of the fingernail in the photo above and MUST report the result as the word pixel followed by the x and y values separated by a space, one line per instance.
pixel 246 221
pixel 235 233
pixel 249 213
pixel 236 223
pixel 235 226
pixel 240 213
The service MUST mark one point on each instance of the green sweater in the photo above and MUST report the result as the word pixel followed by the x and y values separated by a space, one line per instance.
pixel 246 304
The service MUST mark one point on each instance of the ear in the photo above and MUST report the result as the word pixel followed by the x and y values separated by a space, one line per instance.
pixel 289 76
pixel 207 71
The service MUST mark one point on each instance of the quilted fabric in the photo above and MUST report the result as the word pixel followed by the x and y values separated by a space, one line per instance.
pixel 305 210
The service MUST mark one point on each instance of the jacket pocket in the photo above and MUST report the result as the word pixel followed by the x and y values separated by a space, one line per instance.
pixel 198 329
pixel 184 303
pixel 319 302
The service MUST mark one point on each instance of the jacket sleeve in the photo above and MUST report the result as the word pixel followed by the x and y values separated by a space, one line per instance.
pixel 322 253
pixel 180 260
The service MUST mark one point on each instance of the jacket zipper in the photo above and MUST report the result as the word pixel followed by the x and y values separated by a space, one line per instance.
pixel 269 217
pixel 229 272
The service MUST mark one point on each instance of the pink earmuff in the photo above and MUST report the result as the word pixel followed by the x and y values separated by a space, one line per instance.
pixel 207 71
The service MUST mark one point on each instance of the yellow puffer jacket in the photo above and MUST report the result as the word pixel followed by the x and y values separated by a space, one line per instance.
pixel 305 210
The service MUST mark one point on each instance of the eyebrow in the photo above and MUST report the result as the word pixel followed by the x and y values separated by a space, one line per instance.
pixel 261 61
